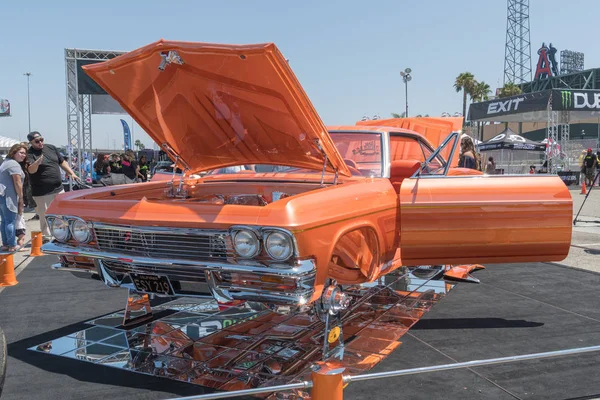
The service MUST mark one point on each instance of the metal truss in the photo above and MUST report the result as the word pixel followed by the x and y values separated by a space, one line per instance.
pixel 589 79
pixel 552 136
pixel 517 56
pixel 565 132
pixel 79 106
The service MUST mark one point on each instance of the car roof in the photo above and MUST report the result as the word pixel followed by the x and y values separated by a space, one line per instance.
pixel 390 129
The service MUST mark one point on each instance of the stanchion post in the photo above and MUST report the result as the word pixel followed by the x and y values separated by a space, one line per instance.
pixel 36 244
pixel 328 383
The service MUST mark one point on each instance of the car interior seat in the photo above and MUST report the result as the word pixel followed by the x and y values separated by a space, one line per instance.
pixel 401 169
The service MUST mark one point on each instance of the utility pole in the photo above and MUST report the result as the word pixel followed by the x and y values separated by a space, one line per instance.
pixel 28 74
pixel 406 77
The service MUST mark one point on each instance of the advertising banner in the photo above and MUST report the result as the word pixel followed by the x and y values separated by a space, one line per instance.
pixel 576 100
pixel 126 135
pixel 520 104
pixel 4 108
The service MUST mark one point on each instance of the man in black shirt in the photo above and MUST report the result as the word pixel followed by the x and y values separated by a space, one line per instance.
pixel 43 164
pixel 590 161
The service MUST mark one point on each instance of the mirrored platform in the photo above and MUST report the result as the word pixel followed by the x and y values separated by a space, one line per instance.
pixel 246 346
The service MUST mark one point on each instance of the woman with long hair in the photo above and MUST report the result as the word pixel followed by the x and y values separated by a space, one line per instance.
pixel 11 195
pixel 101 167
pixel 468 155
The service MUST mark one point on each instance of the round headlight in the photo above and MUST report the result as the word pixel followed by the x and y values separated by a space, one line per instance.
pixel 279 246
pixel 60 229
pixel 80 231
pixel 246 243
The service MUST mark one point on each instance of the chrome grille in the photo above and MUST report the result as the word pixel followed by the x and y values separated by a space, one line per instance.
pixel 193 244
pixel 174 273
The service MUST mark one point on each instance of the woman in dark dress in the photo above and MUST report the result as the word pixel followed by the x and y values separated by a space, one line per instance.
pixel 468 155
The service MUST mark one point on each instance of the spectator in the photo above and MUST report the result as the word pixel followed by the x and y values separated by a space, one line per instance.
pixel 532 169
pixel 469 158
pixel 115 164
pixel 590 161
pixel 11 196
pixel 581 166
pixel 490 168
pixel 101 167
pixel 144 168
pixel 44 163
pixel 131 169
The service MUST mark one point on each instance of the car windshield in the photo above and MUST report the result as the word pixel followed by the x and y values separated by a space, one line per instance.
pixel 361 151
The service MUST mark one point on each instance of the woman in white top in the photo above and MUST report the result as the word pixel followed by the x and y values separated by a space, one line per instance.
pixel 11 195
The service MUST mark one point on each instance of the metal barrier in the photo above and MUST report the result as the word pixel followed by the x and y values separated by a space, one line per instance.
pixel 318 380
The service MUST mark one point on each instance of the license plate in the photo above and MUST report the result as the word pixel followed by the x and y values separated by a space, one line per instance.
pixel 152 283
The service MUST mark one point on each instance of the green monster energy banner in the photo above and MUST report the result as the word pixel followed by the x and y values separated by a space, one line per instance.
pixel 534 106
pixel 576 100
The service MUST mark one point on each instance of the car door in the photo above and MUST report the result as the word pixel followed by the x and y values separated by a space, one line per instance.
pixel 483 219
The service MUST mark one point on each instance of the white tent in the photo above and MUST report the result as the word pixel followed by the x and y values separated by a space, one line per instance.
pixel 7 142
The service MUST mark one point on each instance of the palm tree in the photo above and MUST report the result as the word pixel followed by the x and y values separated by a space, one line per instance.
pixel 481 92
pixel 396 115
pixel 142 147
pixel 465 82
pixel 137 144
pixel 509 89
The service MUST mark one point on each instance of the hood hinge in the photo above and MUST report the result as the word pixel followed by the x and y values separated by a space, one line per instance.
pixel 180 192
pixel 325 161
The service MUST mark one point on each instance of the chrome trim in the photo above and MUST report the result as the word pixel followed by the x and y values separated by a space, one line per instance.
pixel 450 158
pixel 262 233
pixel 436 153
pixel 50 218
pixel 156 229
pixel 236 232
pixel 268 251
pixel 302 273
pixel 487 176
pixel 300 268
pixel 386 159
pixel 90 235
pixel 164 242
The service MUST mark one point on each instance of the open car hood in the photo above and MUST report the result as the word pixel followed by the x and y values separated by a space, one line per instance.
pixel 213 106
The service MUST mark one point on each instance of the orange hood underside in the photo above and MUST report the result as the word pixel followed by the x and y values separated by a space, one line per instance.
pixel 220 105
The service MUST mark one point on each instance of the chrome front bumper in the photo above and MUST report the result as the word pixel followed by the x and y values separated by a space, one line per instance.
pixel 199 278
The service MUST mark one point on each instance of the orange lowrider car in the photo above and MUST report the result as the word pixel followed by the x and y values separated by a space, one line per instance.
pixel 292 209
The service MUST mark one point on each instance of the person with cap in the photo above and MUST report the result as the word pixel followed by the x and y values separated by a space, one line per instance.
pixel 590 161
pixel 44 163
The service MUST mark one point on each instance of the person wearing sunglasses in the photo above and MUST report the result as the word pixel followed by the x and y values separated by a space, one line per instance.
pixel 44 162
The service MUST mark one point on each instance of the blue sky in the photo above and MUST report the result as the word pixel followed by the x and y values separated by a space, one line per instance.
pixel 347 54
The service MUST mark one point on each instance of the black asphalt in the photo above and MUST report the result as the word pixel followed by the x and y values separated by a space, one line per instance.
pixel 517 309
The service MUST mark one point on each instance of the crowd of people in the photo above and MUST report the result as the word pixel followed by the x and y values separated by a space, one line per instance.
pixel 33 173
pixel 116 169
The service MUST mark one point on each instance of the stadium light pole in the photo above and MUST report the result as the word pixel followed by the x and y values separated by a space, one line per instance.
pixel 28 74
pixel 406 77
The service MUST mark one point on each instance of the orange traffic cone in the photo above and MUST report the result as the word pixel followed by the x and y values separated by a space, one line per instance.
pixel 36 244
pixel 7 270
pixel 583 188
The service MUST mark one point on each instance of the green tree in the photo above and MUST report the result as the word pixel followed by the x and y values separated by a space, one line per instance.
pixel 465 82
pixel 509 89
pixel 396 115
pixel 142 147
pixel 137 144
pixel 481 92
